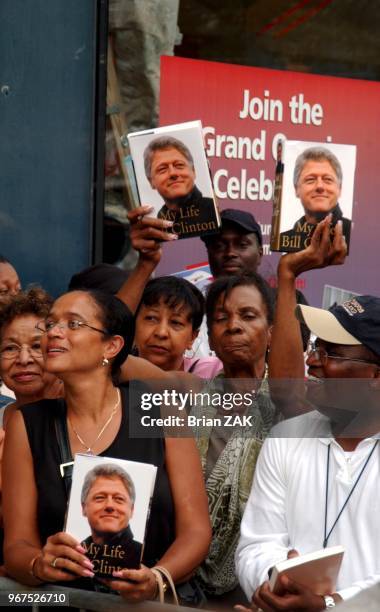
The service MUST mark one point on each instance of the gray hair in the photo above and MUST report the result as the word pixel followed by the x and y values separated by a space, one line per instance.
pixel 161 143
pixel 107 470
pixel 317 154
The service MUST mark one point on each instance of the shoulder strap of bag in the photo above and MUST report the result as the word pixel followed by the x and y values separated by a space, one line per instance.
pixel 66 465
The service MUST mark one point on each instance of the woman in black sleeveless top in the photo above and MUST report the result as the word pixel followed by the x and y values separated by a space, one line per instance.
pixel 87 335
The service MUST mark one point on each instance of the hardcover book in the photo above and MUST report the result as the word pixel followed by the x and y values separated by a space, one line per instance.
pixel 172 175
pixel 108 510
pixel 313 179
pixel 318 570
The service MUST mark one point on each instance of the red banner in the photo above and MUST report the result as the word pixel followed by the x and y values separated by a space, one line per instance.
pixel 244 111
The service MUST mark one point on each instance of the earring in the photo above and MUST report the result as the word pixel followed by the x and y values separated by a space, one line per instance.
pixel 189 353
pixel 105 361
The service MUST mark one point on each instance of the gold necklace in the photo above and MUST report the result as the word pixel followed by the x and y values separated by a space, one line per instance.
pixel 101 432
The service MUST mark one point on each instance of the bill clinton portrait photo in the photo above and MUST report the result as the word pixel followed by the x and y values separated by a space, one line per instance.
pixel 177 180
pixel 108 510
pixel 108 498
pixel 317 183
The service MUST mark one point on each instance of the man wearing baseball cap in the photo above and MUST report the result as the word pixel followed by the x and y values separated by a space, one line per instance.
pixel 317 477
pixel 355 322
pixel 238 246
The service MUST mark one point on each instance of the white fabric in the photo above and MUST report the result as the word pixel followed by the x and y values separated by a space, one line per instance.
pixel 201 346
pixel 5 391
pixel 286 506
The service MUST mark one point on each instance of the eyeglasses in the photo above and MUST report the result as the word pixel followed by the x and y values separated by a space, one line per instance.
pixel 72 325
pixel 12 351
pixel 320 354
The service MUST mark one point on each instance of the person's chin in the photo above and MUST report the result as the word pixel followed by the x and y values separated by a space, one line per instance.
pixel 106 531
pixel 320 209
pixel 231 270
pixel 27 388
pixel 176 195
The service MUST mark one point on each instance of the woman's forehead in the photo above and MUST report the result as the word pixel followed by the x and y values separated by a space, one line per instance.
pixel 75 302
pixel 176 308
pixel 24 324
pixel 241 296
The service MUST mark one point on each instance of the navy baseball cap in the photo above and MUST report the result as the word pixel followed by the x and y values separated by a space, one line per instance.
pixel 244 220
pixel 356 321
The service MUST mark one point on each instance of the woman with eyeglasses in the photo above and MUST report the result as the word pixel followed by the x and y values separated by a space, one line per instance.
pixel 85 338
pixel 21 361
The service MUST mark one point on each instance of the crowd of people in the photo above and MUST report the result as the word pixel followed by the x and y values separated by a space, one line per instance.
pixel 298 475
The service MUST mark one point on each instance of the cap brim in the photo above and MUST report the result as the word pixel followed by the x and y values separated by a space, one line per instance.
pixel 324 325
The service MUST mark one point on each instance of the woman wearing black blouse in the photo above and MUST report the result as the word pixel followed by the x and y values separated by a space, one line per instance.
pixel 86 336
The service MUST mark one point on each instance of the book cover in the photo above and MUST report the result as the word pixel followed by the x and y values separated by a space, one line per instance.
pixel 317 570
pixel 108 510
pixel 199 275
pixel 172 175
pixel 312 180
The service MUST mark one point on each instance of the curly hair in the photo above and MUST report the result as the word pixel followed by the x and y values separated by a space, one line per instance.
pixel 33 301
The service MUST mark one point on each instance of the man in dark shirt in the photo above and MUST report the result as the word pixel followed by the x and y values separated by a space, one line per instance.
pixel 237 248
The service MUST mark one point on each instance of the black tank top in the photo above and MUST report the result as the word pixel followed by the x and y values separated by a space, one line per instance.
pixel 52 500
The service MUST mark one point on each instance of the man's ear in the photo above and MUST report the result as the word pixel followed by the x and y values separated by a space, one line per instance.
pixel 113 346
pixel 84 511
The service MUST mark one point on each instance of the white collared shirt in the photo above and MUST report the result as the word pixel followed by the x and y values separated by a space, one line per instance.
pixel 286 507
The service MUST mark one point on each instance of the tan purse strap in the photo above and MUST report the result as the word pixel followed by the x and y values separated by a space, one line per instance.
pixel 159 571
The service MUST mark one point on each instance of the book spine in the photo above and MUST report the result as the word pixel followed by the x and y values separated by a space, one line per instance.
pixel 276 215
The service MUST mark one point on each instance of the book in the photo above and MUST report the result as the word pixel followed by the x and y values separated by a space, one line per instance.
pixel 317 570
pixel 172 174
pixel 108 510
pixel 312 179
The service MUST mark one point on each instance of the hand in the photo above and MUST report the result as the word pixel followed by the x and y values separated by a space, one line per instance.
pixel 320 253
pixel 134 584
pixel 293 553
pixel 147 233
pixel 68 558
pixel 292 596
